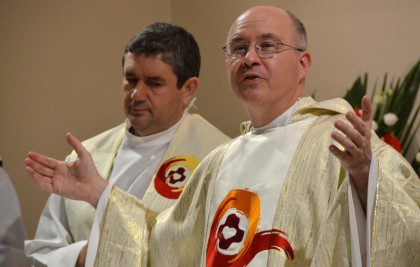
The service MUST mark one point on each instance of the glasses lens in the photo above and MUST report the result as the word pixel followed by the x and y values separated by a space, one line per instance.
pixel 237 50
pixel 267 47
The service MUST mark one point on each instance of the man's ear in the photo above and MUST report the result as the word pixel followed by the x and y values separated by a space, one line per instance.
pixel 189 88
pixel 304 63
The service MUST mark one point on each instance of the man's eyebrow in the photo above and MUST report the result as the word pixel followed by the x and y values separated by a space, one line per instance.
pixel 155 79
pixel 268 36
pixel 237 39
pixel 129 74
pixel 263 36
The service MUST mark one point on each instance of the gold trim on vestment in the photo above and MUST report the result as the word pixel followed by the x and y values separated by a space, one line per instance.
pixel 313 208
pixel 128 222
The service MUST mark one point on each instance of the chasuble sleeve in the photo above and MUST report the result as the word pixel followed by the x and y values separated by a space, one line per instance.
pixel 388 234
pixel 395 237
pixel 322 235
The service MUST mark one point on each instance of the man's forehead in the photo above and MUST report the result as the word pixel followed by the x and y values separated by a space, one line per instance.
pixel 261 21
pixel 133 57
pixel 238 37
pixel 151 65
pixel 133 60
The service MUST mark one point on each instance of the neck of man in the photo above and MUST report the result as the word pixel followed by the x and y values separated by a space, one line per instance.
pixel 153 131
pixel 261 115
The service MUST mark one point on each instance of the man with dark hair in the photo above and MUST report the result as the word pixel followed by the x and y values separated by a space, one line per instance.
pixel 175 46
pixel 306 184
pixel 151 155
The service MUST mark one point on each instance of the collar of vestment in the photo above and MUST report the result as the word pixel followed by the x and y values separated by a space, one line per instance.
pixel 281 120
pixel 302 109
pixel 159 138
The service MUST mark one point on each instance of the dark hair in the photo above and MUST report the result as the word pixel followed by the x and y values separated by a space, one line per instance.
pixel 173 44
pixel 299 29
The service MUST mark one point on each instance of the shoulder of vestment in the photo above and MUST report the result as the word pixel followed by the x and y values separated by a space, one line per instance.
pixel 103 141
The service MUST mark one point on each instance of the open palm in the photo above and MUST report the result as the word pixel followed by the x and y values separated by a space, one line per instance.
pixel 77 180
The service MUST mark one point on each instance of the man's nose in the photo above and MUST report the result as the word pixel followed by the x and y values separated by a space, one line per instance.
pixel 251 57
pixel 139 92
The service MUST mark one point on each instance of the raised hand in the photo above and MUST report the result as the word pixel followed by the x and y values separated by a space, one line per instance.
pixel 357 153
pixel 77 180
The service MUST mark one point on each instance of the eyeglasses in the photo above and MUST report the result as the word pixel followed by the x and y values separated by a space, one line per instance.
pixel 265 49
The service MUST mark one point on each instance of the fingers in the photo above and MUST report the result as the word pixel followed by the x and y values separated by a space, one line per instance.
pixel 45 183
pixel 39 168
pixel 44 160
pixel 347 143
pixel 367 109
pixel 356 141
pixel 77 145
pixel 350 132
pixel 358 124
pixel 341 155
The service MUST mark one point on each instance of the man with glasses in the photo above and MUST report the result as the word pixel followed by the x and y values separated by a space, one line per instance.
pixel 291 190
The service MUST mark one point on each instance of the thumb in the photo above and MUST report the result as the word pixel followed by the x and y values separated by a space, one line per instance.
pixel 367 109
pixel 77 145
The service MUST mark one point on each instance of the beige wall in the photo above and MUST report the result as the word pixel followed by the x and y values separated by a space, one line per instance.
pixel 60 70
pixel 60 64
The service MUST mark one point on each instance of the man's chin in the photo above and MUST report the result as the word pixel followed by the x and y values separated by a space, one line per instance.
pixel 251 94
pixel 139 121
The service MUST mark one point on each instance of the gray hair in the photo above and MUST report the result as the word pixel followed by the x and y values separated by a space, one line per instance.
pixel 300 31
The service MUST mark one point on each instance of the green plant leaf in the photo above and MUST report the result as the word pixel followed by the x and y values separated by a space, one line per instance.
pixel 410 140
pixel 355 94
pixel 407 129
pixel 405 99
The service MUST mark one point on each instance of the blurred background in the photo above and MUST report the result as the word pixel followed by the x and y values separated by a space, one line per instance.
pixel 60 65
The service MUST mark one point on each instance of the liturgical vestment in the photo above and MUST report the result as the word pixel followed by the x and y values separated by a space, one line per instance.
pixel 272 196
pixel 138 165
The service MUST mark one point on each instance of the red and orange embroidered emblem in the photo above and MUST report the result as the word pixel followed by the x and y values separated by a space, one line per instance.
pixel 173 175
pixel 234 238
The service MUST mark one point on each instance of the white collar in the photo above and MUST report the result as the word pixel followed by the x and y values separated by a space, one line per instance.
pixel 281 120
pixel 159 138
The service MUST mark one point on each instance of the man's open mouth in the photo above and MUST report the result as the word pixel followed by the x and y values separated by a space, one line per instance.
pixel 251 77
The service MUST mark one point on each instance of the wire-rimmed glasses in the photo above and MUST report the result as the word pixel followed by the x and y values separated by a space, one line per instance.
pixel 265 49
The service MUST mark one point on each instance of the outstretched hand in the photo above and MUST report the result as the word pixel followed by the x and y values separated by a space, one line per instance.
pixel 77 180
pixel 357 153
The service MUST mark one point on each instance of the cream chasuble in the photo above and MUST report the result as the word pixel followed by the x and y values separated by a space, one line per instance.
pixel 218 212
pixel 173 154
pixel 183 155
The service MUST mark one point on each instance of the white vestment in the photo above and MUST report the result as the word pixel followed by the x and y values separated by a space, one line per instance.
pixel 132 170
pixel 249 163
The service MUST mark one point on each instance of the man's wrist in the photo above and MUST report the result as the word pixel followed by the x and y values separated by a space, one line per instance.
pixel 362 194
pixel 81 259
pixel 97 191
pixel 361 184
